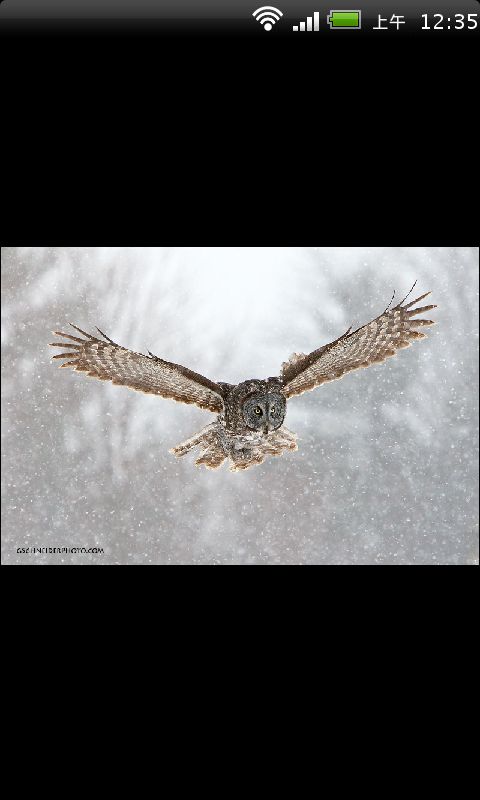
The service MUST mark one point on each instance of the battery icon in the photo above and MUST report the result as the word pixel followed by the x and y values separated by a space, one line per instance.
pixel 345 19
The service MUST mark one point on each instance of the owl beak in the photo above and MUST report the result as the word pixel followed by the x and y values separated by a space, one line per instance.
pixel 265 430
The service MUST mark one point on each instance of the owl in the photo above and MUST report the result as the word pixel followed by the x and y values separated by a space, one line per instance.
pixel 249 425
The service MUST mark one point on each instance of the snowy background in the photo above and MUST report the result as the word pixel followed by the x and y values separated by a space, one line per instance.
pixel 387 470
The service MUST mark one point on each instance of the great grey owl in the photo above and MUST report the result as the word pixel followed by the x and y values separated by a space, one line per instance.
pixel 250 415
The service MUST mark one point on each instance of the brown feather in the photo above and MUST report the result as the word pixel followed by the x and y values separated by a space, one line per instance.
pixel 108 361
pixel 393 330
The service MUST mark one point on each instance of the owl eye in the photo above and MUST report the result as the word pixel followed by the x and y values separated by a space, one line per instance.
pixel 272 411
pixel 258 411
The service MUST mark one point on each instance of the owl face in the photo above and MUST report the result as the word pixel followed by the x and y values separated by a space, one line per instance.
pixel 264 411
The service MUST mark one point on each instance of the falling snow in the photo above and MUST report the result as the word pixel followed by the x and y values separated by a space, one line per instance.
pixel 387 467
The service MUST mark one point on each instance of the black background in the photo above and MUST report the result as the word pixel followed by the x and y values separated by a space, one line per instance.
pixel 116 134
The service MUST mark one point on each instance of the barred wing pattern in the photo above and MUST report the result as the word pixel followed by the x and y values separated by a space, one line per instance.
pixel 107 361
pixel 372 344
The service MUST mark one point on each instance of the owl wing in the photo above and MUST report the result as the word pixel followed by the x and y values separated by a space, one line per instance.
pixel 372 344
pixel 108 361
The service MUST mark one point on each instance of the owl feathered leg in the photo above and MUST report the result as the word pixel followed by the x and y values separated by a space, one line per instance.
pixel 274 445
pixel 281 440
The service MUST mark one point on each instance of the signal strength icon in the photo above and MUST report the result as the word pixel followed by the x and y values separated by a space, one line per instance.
pixel 309 27
pixel 267 16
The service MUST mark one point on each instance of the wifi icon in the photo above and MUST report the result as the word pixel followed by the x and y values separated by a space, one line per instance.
pixel 267 16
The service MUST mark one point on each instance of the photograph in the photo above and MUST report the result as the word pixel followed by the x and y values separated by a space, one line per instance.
pixel 240 405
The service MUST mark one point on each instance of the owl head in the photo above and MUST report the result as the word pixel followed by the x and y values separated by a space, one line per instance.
pixel 261 405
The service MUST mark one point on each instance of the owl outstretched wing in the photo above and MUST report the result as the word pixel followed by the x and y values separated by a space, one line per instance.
pixel 372 344
pixel 107 361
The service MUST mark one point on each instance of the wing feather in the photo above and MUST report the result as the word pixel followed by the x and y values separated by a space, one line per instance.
pixel 107 361
pixel 371 344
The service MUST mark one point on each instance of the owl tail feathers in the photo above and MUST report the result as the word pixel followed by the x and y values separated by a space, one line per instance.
pixel 248 459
